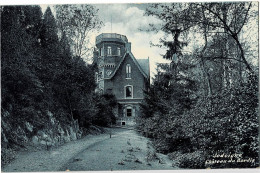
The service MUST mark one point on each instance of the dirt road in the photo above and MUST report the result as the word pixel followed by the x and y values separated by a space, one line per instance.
pixel 125 150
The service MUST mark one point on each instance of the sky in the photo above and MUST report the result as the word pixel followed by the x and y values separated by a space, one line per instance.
pixel 127 19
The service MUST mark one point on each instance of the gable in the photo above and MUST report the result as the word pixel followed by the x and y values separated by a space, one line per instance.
pixel 130 55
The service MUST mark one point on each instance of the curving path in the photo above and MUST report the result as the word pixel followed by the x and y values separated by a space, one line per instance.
pixel 125 150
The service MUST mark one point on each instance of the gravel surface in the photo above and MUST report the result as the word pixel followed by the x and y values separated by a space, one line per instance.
pixel 126 150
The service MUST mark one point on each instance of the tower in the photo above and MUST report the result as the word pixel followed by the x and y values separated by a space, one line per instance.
pixel 110 47
pixel 119 73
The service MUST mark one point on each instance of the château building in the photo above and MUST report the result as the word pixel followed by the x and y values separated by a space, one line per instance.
pixel 121 74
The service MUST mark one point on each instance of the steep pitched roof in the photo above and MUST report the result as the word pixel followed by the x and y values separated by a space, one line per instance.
pixel 144 63
pixel 143 69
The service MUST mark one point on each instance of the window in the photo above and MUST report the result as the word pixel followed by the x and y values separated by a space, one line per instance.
pixel 101 52
pixel 129 91
pixel 109 50
pixel 128 71
pixel 128 112
pixel 118 51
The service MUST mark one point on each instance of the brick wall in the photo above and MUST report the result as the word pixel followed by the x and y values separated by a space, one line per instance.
pixel 119 81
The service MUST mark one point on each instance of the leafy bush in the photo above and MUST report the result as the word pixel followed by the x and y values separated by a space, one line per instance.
pixel 194 160
pixel 104 110
pixel 226 121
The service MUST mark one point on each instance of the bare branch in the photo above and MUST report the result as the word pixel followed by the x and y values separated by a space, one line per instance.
pixel 244 21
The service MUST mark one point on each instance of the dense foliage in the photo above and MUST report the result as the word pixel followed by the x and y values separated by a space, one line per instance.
pixel 41 78
pixel 206 103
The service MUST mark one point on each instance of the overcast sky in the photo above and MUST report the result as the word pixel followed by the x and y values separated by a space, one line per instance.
pixel 128 19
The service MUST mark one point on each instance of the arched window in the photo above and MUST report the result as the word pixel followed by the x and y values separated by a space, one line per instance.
pixel 129 91
pixel 129 111
pixel 128 71
pixel 109 50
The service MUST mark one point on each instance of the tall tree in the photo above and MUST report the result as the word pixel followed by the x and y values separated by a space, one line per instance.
pixel 50 47
pixel 21 88
pixel 217 120
pixel 77 22
pixel 211 20
pixel 49 30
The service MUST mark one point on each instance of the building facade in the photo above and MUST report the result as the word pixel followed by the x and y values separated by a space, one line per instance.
pixel 121 74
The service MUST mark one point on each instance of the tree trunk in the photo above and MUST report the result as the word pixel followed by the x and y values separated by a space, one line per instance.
pixel 207 78
pixel 243 54
pixel 202 53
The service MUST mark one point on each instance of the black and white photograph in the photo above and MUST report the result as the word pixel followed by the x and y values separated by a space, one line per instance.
pixel 129 86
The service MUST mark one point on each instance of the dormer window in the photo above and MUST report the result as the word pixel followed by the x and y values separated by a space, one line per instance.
pixel 118 51
pixel 109 50
pixel 128 71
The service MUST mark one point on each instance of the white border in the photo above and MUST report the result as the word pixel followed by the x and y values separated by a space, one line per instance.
pixel 31 2
pixel 38 2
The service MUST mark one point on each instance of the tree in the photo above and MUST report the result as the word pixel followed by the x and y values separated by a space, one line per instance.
pixel 172 94
pixel 216 17
pixel 50 49
pixel 210 20
pixel 21 88
pixel 217 114
pixel 77 22
pixel 44 88
pixel 227 17
pixel 49 31
pixel 104 110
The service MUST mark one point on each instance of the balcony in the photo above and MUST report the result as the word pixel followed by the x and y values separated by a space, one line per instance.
pixel 111 37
